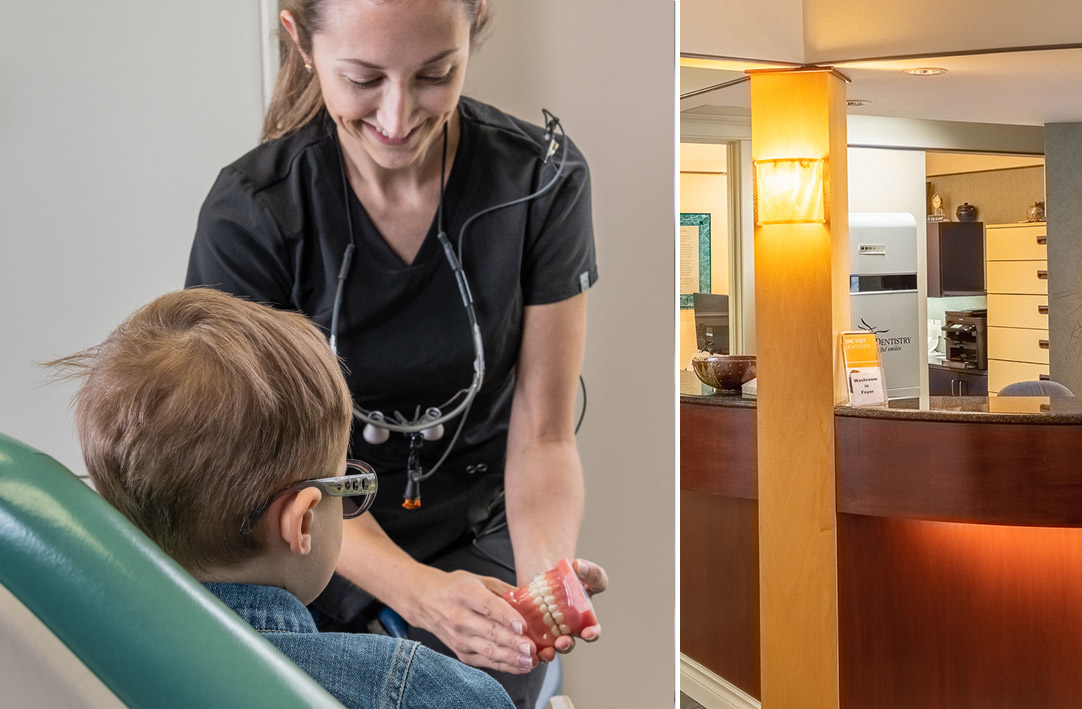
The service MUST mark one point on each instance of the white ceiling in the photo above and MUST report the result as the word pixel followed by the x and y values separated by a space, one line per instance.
pixel 1030 87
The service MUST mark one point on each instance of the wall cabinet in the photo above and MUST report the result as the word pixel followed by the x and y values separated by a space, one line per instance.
pixel 1017 279
pixel 955 259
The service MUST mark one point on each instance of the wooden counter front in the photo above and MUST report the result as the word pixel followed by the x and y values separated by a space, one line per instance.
pixel 719 540
pixel 999 473
pixel 960 560
pixel 959 550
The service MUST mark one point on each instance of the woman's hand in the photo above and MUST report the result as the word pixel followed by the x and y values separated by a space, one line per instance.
pixel 466 612
pixel 595 580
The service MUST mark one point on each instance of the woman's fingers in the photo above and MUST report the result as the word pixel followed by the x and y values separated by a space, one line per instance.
pixel 469 615
pixel 564 644
pixel 593 577
pixel 590 633
pixel 547 654
pixel 495 585
pixel 480 627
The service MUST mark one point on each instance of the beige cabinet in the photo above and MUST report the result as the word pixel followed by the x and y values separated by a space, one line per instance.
pixel 1017 282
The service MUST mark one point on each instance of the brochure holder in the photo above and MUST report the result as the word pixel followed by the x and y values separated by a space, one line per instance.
pixel 863 369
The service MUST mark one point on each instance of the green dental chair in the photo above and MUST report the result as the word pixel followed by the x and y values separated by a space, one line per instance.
pixel 126 625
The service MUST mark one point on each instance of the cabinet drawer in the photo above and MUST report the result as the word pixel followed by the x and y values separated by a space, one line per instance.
pixel 1018 344
pixel 1018 311
pixel 945 381
pixel 1001 373
pixel 1015 243
pixel 1017 277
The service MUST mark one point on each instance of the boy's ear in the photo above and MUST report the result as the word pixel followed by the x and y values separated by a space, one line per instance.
pixel 295 519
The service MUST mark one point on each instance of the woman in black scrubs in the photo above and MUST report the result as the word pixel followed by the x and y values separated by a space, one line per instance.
pixel 368 142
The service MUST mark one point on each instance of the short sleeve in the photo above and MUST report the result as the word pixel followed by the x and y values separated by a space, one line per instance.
pixel 238 247
pixel 559 260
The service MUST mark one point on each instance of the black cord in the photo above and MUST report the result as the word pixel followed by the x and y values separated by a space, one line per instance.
pixel 347 257
pixel 552 124
pixel 582 414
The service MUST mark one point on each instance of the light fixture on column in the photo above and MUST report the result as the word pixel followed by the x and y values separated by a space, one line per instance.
pixel 789 191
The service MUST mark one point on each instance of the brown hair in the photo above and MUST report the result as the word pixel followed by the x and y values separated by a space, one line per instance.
pixel 198 408
pixel 296 98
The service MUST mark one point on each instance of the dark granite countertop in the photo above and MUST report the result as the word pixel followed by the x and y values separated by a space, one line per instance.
pixel 974 409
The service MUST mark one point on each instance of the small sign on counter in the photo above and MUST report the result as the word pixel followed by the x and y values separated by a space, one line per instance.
pixel 863 369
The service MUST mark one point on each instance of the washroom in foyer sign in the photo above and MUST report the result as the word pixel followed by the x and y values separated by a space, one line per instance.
pixel 863 368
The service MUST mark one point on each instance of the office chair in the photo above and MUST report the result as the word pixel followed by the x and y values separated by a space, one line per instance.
pixel 136 620
pixel 1036 388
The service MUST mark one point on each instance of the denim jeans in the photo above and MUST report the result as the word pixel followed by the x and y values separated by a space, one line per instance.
pixel 368 671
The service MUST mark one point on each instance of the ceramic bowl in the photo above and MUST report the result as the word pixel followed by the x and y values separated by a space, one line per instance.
pixel 724 372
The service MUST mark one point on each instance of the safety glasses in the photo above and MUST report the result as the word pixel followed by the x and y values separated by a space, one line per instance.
pixel 357 488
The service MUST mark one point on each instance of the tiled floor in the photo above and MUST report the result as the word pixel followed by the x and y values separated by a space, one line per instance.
pixel 687 702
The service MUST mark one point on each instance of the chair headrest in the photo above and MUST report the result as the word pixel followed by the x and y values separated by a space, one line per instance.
pixel 139 621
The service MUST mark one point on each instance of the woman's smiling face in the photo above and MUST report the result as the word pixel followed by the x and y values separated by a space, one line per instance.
pixel 391 73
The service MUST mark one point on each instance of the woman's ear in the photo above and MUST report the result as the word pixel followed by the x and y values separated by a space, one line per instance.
pixel 295 519
pixel 291 27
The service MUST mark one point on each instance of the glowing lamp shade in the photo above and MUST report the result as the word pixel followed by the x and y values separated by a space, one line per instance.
pixel 789 191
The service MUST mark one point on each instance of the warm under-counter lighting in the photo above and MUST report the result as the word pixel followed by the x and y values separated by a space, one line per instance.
pixel 789 191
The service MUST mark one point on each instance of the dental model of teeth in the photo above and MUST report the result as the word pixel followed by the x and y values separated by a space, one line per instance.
pixel 553 604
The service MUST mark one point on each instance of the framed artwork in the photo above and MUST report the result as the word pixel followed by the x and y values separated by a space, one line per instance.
pixel 694 256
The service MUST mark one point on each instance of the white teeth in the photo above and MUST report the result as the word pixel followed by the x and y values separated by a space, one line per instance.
pixel 542 594
pixel 384 133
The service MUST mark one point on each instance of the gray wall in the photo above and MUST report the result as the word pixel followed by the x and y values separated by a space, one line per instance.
pixel 608 72
pixel 1063 171
pixel 115 118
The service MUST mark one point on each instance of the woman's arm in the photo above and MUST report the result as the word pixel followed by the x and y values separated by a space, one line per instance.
pixel 462 609
pixel 543 478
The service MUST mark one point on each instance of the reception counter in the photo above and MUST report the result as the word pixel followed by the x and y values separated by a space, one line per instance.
pixel 959 548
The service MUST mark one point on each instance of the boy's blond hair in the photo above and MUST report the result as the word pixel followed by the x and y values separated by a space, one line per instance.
pixel 199 408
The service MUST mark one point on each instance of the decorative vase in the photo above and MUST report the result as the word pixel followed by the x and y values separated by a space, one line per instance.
pixel 966 212
pixel 1036 212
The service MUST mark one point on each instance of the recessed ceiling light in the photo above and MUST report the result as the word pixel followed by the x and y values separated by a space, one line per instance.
pixel 925 71
pixel 857 102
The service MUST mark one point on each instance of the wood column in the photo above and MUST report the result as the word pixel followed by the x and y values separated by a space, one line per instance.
pixel 802 302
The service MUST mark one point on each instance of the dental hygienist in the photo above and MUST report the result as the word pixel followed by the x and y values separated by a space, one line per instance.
pixel 446 248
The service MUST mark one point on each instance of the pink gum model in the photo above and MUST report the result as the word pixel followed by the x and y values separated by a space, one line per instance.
pixel 554 603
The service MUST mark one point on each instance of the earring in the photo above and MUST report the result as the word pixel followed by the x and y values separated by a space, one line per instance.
pixel 308 67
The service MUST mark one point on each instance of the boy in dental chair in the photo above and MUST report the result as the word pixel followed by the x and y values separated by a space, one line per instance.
pixel 219 427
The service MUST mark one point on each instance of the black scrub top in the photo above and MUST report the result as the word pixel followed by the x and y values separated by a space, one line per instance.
pixel 274 229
